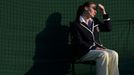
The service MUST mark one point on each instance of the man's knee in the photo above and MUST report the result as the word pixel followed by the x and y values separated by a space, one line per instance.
pixel 114 53
pixel 104 54
pixel 104 57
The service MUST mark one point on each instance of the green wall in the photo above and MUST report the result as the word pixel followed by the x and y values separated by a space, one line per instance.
pixel 21 20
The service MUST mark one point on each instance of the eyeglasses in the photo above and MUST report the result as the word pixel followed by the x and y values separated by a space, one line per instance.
pixel 93 8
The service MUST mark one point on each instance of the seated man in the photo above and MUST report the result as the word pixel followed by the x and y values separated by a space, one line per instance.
pixel 85 39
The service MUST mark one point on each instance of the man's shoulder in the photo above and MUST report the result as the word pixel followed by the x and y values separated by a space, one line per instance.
pixel 95 19
pixel 74 23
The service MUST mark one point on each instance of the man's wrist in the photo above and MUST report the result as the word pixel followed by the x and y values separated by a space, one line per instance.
pixel 105 16
pixel 104 12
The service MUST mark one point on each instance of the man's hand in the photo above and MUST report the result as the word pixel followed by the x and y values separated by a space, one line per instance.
pixel 102 9
pixel 99 48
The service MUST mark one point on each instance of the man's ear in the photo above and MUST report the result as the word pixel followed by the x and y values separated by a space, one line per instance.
pixel 86 8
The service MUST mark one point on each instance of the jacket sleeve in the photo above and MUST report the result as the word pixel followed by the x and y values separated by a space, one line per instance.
pixel 105 26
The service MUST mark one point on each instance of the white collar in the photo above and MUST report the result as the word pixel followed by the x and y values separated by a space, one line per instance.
pixel 82 20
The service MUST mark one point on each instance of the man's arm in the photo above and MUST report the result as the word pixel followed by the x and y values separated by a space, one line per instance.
pixel 106 24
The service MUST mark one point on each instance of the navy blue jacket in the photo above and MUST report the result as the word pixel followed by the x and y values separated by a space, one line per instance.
pixel 83 39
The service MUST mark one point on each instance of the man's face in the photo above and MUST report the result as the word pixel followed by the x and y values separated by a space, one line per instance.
pixel 92 10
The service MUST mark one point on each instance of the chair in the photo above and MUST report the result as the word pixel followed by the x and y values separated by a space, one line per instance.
pixel 91 63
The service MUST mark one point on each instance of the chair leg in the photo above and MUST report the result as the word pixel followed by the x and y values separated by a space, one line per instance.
pixel 73 69
pixel 91 69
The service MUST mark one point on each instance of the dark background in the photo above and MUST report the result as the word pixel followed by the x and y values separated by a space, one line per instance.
pixel 22 20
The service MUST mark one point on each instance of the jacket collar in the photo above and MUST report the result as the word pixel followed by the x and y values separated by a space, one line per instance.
pixel 81 19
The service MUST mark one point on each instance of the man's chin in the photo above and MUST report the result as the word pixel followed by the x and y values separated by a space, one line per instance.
pixel 93 16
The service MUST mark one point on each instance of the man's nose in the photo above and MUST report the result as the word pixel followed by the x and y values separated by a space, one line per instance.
pixel 95 12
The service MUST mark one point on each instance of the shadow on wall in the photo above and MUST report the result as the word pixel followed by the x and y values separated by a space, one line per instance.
pixel 52 50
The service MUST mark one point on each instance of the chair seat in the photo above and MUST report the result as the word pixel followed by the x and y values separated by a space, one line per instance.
pixel 92 62
pixel 82 62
